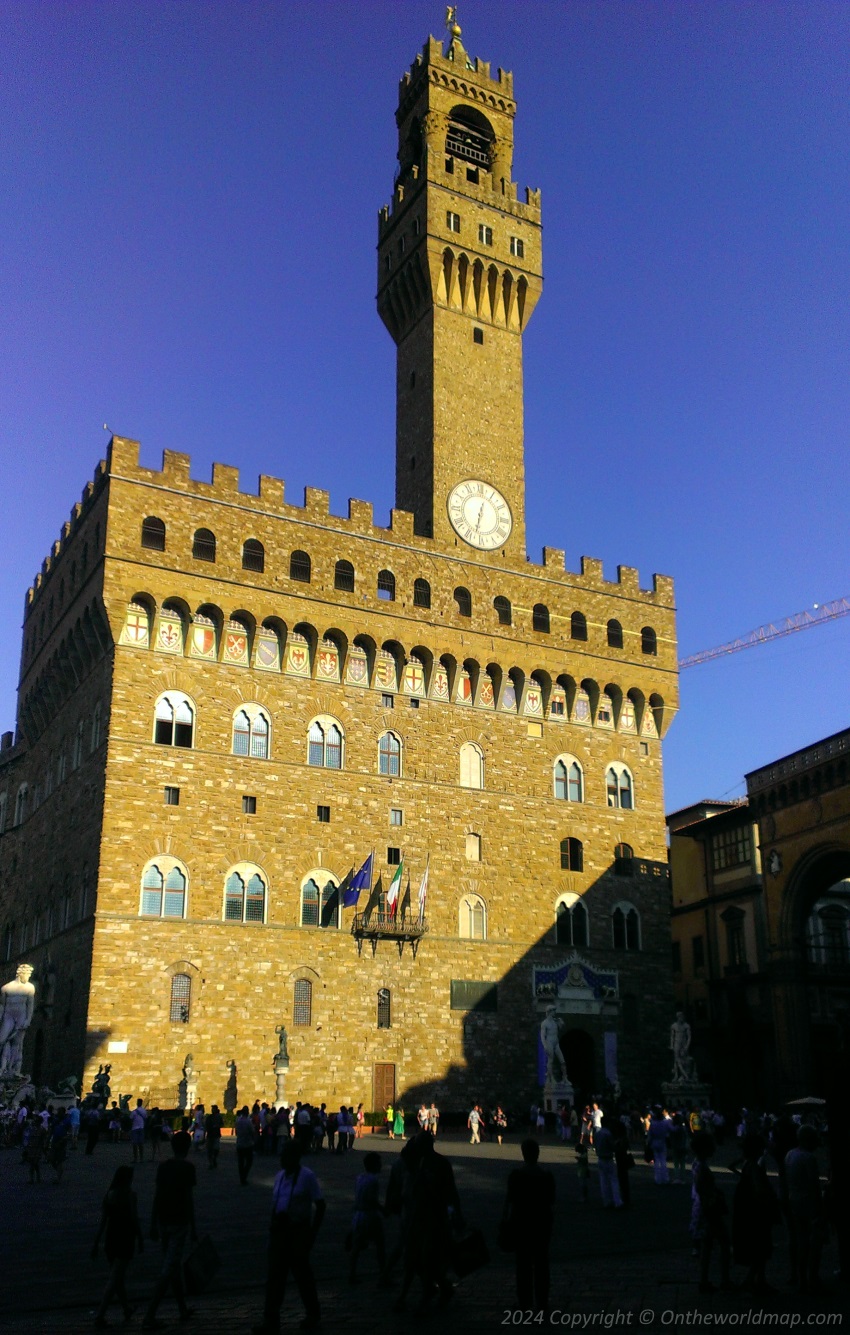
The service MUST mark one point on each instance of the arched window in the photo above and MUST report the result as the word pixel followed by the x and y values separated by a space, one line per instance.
pixel 615 635
pixel 384 1012
pixel 569 779
pixel 463 599
pixel 503 610
pixel 389 755
pixel 245 896
pixel 471 766
pixel 344 576
pixel 77 752
pixel 828 928
pixel 572 855
pixel 302 1009
pixel 320 901
pixel 181 998
pixel 21 804
pixel 203 545
pixel 648 640
pixel 736 944
pixel 571 925
pixel 251 729
pixel 253 555
pixel 324 744
pixel 578 626
pixel 174 720
pixel 625 927
pixel 300 567
pixel 386 585
pixel 153 534
pixel 618 785
pixel 540 618
pixel 472 921
pixel 94 740
pixel 421 593
pixel 163 890
pixel 624 860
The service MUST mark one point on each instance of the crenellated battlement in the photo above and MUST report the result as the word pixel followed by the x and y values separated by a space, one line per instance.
pixel 453 67
pixel 269 499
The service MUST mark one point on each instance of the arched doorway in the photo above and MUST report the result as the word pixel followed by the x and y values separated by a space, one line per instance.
pixel 816 931
pixel 579 1053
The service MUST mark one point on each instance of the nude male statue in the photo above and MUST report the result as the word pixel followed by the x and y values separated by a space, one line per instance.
pixel 17 1003
pixel 550 1036
pixel 680 1045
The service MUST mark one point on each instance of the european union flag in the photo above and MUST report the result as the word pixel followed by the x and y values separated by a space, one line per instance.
pixel 361 880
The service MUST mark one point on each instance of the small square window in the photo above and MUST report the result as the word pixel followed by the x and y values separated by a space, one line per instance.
pixel 323 815
pixel 396 816
pixel 453 222
pixel 388 701
pixel 517 247
pixel 485 234
pixel 414 703
pixel 393 857
pixel 249 805
pixel 172 796
pixel 478 335
pixel 473 847
pixel 644 748
pixel 535 729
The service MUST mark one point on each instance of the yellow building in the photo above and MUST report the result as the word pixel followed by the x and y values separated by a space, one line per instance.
pixel 228 699
pixel 761 928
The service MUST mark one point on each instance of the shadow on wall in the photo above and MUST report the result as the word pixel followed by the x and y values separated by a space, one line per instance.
pixel 620 926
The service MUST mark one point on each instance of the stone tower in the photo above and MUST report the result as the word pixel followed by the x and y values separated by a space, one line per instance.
pixel 459 273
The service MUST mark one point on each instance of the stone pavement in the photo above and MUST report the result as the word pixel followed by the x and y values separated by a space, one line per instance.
pixel 607 1267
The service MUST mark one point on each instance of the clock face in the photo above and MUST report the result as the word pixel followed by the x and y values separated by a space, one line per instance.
pixel 480 515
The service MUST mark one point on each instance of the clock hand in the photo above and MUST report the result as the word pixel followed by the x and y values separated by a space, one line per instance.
pixel 480 515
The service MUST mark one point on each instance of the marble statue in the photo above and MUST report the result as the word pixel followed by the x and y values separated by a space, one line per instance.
pixel 550 1037
pixel 680 1046
pixel 17 1000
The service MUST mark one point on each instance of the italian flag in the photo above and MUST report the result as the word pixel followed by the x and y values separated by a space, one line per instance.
pixel 392 893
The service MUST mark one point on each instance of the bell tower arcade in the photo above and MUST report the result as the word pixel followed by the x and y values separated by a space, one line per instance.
pixel 459 273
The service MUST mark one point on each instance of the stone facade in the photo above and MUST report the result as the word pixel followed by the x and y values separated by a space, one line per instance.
pixel 513 746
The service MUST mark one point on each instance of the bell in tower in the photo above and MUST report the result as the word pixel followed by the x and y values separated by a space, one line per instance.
pixel 459 273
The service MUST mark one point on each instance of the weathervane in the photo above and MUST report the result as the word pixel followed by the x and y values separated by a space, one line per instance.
pixel 451 20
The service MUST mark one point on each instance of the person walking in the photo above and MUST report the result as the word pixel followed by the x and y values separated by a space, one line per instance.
pixel 138 1118
pixel 173 1223
pixel 213 1123
pixel 398 1121
pixel 657 1134
pixel 603 1143
pixel 367 1224
pixel 119 1222
pixel 708 1212
pixel 389 1117
pixel 805 1209
pixel 473 1122
pixel 677 1145
pixel 298 1208
pixel 755 1210
pixel 527 1216
pixel 245 1142
pixel 500 1122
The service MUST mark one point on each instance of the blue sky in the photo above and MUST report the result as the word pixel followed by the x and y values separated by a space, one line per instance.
pixel 187 254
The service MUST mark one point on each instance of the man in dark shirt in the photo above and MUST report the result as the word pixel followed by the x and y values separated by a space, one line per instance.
pixel 172 1220
pixel 529 1208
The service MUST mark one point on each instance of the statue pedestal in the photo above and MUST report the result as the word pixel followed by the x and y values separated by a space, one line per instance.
pixel 280 1082
pixel 556 1092
pixel 686 1094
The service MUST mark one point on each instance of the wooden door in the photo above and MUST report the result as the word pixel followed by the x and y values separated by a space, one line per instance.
pixel 383 1085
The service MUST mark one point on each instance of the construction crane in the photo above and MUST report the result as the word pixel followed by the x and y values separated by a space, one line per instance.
pixel 774 630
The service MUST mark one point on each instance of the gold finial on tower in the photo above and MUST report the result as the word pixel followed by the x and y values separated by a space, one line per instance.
pixel 452 23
